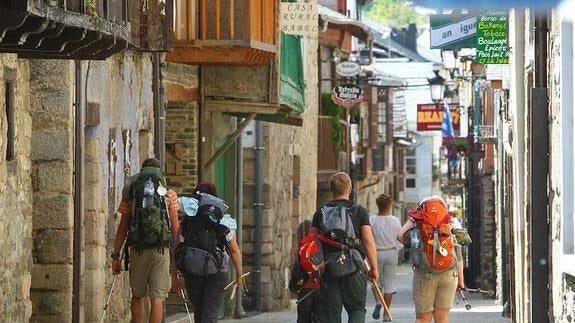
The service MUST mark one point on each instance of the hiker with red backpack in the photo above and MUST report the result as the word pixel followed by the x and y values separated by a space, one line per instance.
pixel 301 283
pixel 150 222
pixel 345 233
pixel 438 273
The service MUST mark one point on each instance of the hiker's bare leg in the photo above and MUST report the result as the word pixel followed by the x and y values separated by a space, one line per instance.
pixel 387 299
pixel 424 317
pixel 156 310
pixel 441 315
pixel 137 307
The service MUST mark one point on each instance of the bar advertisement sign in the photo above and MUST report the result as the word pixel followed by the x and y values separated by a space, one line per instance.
pixel 430 116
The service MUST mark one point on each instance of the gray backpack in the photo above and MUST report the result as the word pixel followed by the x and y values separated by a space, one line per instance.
pixel 337 225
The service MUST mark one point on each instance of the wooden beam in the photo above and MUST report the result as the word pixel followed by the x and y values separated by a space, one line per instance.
pixel 231 139
pixel 241 107
pixel 221 55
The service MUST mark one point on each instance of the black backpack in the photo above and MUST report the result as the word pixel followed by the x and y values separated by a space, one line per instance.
pixel 149 225
pixel 205 249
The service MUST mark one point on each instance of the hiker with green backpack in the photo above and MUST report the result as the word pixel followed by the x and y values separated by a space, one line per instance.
pixel 438 270
pixel 149 225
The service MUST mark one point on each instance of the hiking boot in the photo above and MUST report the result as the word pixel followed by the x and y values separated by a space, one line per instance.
pixel 376 311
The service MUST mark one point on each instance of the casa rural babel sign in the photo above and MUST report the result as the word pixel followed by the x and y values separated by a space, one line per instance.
pixel 430 117
pixel 347 95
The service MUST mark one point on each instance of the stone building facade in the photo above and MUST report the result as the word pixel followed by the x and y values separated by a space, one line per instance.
pixel 15 192
pixel 37 182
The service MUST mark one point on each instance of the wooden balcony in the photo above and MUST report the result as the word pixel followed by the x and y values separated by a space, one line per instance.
pixel 63 29
pixel 225 32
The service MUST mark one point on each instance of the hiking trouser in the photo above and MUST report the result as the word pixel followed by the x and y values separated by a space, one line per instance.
pixel 206 293
pixel 349 292
pixel 307 308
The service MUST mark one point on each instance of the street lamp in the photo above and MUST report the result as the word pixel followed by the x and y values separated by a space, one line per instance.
pixel 436 87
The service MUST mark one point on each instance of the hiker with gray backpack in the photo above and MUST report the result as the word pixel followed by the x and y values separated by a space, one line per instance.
pixel 149 225
pixel 344 278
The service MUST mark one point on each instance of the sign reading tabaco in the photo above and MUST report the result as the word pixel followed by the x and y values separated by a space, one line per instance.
pixel 347 95
pixel 492 38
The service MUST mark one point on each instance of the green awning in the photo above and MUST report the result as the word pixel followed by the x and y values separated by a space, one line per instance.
pixel 292 86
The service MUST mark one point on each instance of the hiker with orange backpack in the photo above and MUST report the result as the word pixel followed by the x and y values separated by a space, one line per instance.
pixel 438 272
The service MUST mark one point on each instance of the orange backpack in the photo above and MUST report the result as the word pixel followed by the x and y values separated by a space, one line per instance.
pixel 436 246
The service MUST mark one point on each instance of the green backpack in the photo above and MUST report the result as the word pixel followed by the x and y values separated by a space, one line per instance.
pixel 149 225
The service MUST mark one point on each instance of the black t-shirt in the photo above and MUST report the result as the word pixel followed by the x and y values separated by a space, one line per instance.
pixel 359 215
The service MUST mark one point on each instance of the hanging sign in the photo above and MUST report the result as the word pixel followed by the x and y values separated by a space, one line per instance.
pixel 347 69
pixel 347 95
pixel 452 31
pixel 492 38
pixel 299 18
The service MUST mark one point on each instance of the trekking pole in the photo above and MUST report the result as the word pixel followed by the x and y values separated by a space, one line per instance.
pixel 467 306
pixel 234 281
pixel 377 289
pixel 186 304
pixel 481 291
pixel 113 282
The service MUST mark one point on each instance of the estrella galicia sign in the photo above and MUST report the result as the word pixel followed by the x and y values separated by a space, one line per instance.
pixel 347 95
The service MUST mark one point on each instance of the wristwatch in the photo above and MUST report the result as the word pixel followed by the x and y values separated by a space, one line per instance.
pixel 115 255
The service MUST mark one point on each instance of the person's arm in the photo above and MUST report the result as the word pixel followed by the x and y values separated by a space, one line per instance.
pixel 460 277
pixel 409 224
pixel 370 250
pixel 121 234
pixel 236 256
pixel 173 208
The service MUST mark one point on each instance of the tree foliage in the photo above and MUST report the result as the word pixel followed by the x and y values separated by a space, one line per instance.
pixel 393 13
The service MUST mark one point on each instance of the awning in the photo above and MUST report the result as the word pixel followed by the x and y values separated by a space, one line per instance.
pixel 332 19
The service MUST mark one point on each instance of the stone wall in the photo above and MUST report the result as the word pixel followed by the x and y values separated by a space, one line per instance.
pixel 52 165
pixel 15 198
pixel 119 124
pixel 182 126
pixel 290 189
pixel 562 286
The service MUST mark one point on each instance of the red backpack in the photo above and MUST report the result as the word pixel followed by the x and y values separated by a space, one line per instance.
pixel 312 257
pixel 433 222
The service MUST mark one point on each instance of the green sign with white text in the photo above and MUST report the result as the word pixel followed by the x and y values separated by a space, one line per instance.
pixel 491 38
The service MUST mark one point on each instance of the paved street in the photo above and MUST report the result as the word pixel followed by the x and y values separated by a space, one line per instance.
pixel 482 310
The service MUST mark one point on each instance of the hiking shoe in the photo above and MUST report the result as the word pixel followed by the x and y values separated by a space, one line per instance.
pixel 376 311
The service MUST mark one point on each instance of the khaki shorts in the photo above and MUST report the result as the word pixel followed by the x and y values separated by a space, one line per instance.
pixel 150 273
pixel 431 291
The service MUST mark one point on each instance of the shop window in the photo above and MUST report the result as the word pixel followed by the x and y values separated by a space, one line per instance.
pixel 410 162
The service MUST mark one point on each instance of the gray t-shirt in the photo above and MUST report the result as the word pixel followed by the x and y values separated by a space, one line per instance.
pixel 385 229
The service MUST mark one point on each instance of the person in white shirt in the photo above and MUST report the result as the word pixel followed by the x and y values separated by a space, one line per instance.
pixel 385 227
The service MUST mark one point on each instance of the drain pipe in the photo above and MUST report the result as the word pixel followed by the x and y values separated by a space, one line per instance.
pixel 159 113
pixel 239 207
pixel 258 208
pixel 539 174
pixel 77 286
